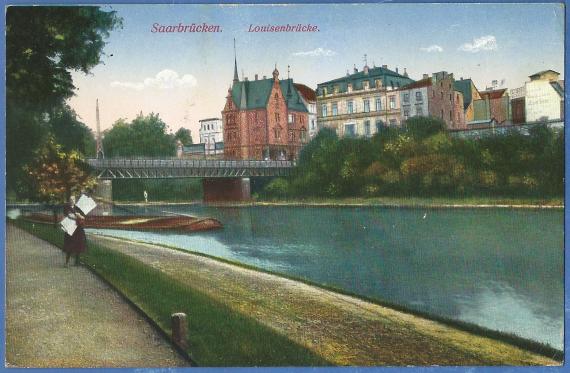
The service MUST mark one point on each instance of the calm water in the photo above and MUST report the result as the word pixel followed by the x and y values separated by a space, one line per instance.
pixel 498 268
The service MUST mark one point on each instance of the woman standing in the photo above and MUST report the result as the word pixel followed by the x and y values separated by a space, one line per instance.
pixel 74 244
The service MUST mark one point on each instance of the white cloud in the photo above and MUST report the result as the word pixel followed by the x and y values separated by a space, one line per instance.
pixel 484 43
pixel 165 79
pixel 432 48
pixel 316 53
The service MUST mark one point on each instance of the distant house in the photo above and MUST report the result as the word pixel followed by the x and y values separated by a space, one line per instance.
pixel 494 104
pixel 434 96
pixel 309 98
pixel 264 119
pixel 470 93
pixel 544 97
pixel 361 103
pixel 211 132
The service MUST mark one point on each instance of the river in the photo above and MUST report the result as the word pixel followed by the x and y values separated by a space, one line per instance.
pixel 498 268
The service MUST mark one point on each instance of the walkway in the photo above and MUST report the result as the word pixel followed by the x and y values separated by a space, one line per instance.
pixel 342 329
pixel 67 317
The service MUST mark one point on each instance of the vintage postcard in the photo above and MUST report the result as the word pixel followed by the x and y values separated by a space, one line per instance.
pixel 284 185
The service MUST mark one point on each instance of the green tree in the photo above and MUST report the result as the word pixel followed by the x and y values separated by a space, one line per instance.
pixel 184 135
pixel 70 132
pixel 422 127
pixel 144 136
pixel 44 44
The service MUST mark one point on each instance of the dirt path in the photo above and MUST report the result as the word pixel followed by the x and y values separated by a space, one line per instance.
pixel 67 317
pixel 342 329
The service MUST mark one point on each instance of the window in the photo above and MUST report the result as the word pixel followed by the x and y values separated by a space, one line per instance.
pixel 450 117
pixel 366 84
pixel 379 126
pixel 277 134
pixel 349 130
pixel 334 108
pixel 367 128
pixel 312 124
pixel 406 97
pixel 336 89
pixel 450 98
pixel 366 105
pixel 378 104
pixel 349 87
pixel 291 118
pixel 392 102
pixel 349 107
pixel 441 113
pixel 291 136
pixel 303 135
pixel 406 114
pixel 324 110
pixel 418 96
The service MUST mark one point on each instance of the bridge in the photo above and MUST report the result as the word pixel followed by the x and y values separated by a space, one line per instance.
pixel 223 180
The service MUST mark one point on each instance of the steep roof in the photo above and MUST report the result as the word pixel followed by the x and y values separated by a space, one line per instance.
pixel 308 93
pixel 388 77
pixel 418 84
pixel 492 94
pixel 464 86
pixel 257 94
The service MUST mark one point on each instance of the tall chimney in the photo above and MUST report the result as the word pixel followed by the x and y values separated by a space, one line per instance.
pixel 396 69
pixel 384 66
pixel 256 76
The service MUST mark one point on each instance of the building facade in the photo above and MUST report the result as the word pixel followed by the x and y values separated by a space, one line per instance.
pixel 264 119
pixel 309 98
pixel 359 104
pixel 434 96
pixel 470 93
pixel 211 132
pixel 494 104
pixel 544 97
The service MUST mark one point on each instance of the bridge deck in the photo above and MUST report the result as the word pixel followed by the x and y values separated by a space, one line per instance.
pixel 181 168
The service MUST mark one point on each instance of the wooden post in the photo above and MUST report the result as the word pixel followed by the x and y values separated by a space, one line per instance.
pixel 179 329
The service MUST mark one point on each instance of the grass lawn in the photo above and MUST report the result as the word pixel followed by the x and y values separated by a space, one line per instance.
pixel 217 335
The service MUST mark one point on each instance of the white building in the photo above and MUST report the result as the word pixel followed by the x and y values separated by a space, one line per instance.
pixel 544 97
pixel 211 132
pixel 309 98
pixel 414 99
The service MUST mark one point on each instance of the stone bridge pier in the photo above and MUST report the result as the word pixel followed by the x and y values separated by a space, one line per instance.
pixel 226 189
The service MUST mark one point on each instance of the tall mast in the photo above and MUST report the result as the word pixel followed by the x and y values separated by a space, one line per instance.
pixel 100 153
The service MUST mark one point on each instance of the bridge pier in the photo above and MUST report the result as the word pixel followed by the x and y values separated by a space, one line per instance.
pixel 226 189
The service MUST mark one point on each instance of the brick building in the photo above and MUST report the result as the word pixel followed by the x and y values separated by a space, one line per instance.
pixel 264 119
pixel 470 93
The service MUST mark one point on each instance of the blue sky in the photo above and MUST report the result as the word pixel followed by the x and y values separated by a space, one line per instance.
pixel 481 41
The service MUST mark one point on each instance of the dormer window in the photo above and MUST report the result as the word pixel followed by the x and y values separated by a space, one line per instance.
pixel 349 87
pixel 366 85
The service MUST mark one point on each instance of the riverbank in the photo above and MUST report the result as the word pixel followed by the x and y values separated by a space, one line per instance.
pixel 340 329
pixel 389 202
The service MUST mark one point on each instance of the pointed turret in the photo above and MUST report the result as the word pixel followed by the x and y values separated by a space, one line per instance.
pixel 236 77
pixel 289 90
pixel 99 142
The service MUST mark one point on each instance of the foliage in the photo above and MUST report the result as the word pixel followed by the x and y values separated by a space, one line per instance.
pixel 144 136
pixel 43 46
pixel 422 159
pixel 164 190
pixel 184 135
pixel 55 174
pixel 70 132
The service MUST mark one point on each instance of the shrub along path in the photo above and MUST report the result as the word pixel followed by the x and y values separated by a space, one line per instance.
pixel 67 317
pixel 341 329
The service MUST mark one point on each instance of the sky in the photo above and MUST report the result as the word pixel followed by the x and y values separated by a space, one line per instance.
pixel 184 77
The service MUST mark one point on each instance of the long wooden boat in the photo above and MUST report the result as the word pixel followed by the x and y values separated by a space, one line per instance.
pixel 141 222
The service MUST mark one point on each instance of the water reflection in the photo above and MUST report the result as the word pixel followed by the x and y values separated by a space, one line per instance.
pixel 502 269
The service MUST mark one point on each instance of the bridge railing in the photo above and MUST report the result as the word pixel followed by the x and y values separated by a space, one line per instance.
pixel 187 163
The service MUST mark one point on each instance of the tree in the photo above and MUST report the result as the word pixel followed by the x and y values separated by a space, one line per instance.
pixel 144 136
pixel 422 127
pixel 184 135
pixel 70 133
pixel 43 45
pixel 55 175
